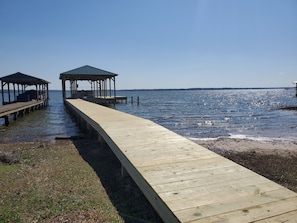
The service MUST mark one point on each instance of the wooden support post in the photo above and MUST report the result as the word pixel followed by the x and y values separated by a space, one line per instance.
pixel 114 90
pixel 63 89
pixel 8 92
pixel 131 100
pixel 124 172
pixel 47 94
pixel 2 89
pixel 14 95
pixel 137 100
pixel 102 142
pixel 6 120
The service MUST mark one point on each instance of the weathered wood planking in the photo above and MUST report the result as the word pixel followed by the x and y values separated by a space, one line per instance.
pixel 17 108
pixel 184 181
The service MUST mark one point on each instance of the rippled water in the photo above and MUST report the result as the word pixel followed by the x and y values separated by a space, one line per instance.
pixel 215 113
pixel 191 113
pixel 44 124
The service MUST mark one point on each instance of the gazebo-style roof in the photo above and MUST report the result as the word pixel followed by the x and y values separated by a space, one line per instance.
pixel 100 80
pixel 20 78
pixel 19 81
pixel 87 73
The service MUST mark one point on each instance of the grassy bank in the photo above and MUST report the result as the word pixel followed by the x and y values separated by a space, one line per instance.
pixel 50 183
pixel 72 181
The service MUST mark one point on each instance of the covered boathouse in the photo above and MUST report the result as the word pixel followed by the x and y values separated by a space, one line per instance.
pixel 102 85
pixel 17 99
pixel 14 89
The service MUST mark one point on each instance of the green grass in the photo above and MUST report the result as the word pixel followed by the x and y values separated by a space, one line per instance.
pixel 52 184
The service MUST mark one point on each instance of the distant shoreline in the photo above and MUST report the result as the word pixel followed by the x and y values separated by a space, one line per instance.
pixel 191 89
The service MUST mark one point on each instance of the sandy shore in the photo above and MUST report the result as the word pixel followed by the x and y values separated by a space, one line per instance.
pixel 279 148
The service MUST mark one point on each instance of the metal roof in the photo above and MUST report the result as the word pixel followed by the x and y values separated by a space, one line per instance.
pixel 87 73
pixel 20 78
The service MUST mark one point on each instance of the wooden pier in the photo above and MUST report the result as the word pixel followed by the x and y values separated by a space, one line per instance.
pixel 19 109
pixel 183 181
pixel 107 100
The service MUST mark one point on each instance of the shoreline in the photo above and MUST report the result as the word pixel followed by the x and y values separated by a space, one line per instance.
pixel 39 162
pixel 262 147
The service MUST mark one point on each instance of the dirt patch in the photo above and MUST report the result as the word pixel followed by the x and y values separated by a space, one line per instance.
pixel 9 158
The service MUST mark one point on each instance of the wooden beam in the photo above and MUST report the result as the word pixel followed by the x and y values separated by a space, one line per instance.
pixel 2 90
pixel 6 120
pixel 63 89
pixel 8 92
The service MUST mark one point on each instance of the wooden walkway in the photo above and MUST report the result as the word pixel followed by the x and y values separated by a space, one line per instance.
pixel 183 181
pixel 18 108
pixel 108 100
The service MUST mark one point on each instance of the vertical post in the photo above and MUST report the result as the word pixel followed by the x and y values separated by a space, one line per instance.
pixel 6 120
pixel 94 89
pixel 109 86
pixel 8 93
pixel 105 88
pixel 137 100
pixel 14 92
pixel 47 94
pixel 38 92
pixel 63 89
pixel 102 88
pixel 97 88
pixel 102 142
pixel 2 89
pixel 132 100
pixel 36 86
pixel 124 172
pixel 296 88
pixel 114 91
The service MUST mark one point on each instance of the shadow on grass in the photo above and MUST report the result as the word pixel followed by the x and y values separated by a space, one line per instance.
pixel 123 192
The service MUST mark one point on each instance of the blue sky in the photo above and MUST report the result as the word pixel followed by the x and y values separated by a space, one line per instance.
pixel 153 44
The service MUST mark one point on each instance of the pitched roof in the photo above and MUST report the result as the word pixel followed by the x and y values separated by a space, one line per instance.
pixel 87 73
pixel 20 78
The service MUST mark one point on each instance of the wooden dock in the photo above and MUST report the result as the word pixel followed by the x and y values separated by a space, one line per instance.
pixel 106 100
pixel 183 181
pixel 19 109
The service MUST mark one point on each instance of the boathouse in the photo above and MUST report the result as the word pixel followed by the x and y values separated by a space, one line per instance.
pixel 102 84
pixel 14 88
pixel 17 99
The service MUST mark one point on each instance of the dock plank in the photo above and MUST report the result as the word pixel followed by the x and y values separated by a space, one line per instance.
pixel 184 181
pixel 15 107
pixel 272 211
pixel 203 212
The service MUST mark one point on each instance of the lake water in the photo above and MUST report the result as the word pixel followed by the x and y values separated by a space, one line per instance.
pixel 206 114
